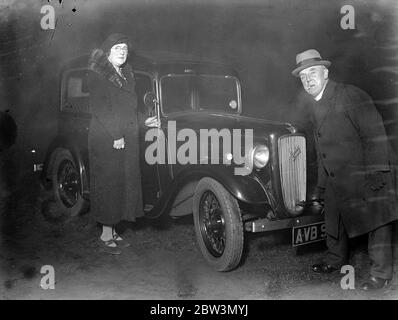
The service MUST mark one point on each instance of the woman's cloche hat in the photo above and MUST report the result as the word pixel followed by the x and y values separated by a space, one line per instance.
pixel 113 39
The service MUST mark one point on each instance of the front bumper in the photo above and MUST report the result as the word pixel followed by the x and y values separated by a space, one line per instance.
pixel 314 215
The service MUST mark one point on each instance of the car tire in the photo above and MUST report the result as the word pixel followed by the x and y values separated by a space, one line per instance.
pixel 218 225
pixel 66 182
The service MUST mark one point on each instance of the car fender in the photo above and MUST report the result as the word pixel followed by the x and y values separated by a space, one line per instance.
pixel 245 188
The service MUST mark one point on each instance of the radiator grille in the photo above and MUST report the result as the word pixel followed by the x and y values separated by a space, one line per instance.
pixel 292 166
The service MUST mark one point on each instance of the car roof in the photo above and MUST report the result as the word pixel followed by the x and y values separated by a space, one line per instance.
pixel 164 63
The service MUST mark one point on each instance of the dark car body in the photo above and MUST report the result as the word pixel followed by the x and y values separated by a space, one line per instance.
pixel 193 96
pixel 8 131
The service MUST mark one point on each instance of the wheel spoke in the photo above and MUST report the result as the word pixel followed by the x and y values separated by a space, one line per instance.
pixel 68 183
pixel 213 225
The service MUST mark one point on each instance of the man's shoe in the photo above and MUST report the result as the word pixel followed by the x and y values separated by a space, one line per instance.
pixel 323 268
pixel 374 283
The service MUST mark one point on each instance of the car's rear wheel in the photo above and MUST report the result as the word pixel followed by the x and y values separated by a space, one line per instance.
pixel 66 185
pixel 218 225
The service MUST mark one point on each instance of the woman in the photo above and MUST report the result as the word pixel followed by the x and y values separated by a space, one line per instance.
pixel 115 181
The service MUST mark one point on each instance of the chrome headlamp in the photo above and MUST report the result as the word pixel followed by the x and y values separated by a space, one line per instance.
pixel 260 156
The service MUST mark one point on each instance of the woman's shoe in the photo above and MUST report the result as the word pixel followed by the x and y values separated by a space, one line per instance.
pixel 120 242
pixel 111 247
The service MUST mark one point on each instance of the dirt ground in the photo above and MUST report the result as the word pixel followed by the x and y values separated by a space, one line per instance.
pixel 161 263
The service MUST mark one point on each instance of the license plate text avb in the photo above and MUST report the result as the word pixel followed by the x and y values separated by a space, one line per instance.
pixel 308 233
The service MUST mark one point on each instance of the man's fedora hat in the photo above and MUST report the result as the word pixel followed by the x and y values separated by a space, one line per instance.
pixel 307 59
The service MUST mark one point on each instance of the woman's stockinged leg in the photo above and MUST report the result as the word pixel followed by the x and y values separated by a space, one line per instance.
pixel 107 234
pixel 106 237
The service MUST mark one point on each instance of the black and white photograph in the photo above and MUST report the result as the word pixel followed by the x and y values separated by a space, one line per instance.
pixel 198 151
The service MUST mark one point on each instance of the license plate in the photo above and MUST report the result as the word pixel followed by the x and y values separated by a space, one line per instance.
pixel 308 233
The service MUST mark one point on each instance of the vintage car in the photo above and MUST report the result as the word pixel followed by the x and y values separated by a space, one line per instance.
pixel 267 189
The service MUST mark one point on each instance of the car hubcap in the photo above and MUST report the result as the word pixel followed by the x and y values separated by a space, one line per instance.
pixel 212 224
pixel 68 183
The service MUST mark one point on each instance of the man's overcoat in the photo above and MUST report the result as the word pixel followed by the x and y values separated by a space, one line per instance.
pixel 351 143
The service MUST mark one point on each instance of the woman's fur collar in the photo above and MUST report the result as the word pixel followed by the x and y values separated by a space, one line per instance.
pixel 99 63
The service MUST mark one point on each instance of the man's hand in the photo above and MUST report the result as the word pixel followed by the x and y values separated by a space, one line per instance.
pixel 376 180
pixel 319 194
pixel 318 197
pixel 152 122
pixel 118 144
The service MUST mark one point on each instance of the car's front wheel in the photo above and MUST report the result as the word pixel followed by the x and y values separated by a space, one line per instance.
pixel 218 225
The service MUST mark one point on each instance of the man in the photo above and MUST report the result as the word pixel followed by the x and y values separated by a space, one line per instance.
pixel 354 169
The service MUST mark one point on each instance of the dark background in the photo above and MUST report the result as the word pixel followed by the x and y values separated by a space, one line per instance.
pixel 259 38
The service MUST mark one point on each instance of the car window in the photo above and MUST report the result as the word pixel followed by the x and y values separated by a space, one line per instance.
pixel 75 95
pixel 200 92
pixel 176 92
pixel 217 93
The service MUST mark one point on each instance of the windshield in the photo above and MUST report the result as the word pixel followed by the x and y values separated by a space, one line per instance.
pixel 199 92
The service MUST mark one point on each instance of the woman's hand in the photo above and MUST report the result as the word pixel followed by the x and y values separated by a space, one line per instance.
pixel 152 122
pixel 118 144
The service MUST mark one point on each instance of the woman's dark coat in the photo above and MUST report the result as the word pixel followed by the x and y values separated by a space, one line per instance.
pixel 115 180
pixel 351 143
